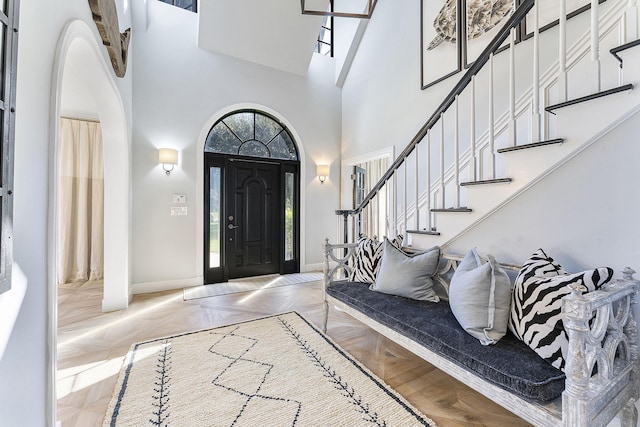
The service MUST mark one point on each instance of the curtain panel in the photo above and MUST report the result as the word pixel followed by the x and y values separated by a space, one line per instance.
pixel 81 202
pixel 375 214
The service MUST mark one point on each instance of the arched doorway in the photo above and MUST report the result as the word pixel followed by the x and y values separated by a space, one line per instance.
pixel 79 52
pixel 252 197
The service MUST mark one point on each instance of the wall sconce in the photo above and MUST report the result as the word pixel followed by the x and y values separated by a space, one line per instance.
pixel 323 172
pixel 168 157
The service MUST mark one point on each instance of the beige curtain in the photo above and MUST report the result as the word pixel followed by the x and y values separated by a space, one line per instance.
pixel 375 215
pixel 81 202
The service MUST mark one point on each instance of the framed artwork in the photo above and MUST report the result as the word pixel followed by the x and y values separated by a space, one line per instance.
pixel 440 51
pixel 483 21
pixel 548 11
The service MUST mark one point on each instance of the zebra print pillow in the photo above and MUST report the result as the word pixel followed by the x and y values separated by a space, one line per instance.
pixel 536 306
pixel 367 257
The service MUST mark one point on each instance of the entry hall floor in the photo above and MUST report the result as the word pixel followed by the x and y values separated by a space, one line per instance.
pixel 92 346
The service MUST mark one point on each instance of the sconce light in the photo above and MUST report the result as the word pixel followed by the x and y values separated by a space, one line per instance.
pixel 323 172
pixel 168 157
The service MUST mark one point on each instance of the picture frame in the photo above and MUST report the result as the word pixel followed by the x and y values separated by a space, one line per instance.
pixel 442 26
pixel 483 29
pixel 440 50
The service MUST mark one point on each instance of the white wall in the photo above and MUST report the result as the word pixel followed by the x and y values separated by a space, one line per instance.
pixel 584 214
pixel 179 91
pixel 26 362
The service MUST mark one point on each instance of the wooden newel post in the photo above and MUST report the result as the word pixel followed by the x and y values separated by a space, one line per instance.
pixel 345 216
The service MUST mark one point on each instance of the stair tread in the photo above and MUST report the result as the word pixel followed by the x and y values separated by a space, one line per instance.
pixel 452 210
pixel 425 232
pixel 532 145
pixel 616 50
pixel 618 89
pixel 487 181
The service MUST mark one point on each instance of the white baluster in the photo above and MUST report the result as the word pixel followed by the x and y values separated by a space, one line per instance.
pixel 428 206
pixel 492 125
pixel 372 217
pixel 472 121
pixel 562 49
pixel 456 154
pixel 536 116
pixel 512 86
pixel 595 44
pixel 632 21
pixel 387 209
pixel 395 203
pixel 404 178
pixel 442 198
pixel 417 190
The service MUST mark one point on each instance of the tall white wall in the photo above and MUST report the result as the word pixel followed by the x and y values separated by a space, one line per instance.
pixel 26 362
pixel 383 105
pixel 179 90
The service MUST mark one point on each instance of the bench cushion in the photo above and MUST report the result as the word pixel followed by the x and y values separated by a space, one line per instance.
pixel 509 364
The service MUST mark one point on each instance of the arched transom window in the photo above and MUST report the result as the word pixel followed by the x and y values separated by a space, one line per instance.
pixel 251 133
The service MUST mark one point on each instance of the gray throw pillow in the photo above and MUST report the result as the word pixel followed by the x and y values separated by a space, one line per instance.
pixel 480 297
pixel 405 275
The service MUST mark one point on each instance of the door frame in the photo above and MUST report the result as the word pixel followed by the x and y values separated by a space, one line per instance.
pixel 221 274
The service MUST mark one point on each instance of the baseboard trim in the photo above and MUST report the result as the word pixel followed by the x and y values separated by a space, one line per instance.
pixel 165 285
pixel 170 285
pixel 312 267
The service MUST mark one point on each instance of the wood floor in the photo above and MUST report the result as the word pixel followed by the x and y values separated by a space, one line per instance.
pixel 92 346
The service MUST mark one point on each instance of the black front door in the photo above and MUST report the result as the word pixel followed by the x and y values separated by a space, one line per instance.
pixel 251 226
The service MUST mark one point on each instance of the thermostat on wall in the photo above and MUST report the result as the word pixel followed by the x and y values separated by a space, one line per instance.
pixel 179 199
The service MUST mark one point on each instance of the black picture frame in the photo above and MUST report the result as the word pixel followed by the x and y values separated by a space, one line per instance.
pixel 459 56
pixel 432 52
pixel 476 41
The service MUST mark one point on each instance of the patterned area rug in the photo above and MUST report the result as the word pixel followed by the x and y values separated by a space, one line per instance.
pixel 275 371
pixel 250 284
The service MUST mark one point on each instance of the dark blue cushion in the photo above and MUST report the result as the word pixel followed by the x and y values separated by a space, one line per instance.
pixel 509 364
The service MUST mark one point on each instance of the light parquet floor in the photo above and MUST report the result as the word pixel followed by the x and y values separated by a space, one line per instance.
pixel 92 346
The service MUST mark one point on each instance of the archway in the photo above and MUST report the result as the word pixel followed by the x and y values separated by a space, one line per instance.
pixel 77 45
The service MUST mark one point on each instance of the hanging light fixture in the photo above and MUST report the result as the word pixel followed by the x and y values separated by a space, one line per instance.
pixel 315 7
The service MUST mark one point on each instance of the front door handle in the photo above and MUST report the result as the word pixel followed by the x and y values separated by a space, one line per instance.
pixel 232 227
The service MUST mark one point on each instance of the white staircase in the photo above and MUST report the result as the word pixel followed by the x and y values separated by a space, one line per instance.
pixel 488 148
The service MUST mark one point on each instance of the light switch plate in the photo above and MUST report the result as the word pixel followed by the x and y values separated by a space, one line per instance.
pixel 178 210
pixel 179 199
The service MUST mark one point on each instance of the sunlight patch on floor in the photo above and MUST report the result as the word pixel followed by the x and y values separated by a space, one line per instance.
pixel 257 292
pixel 76 378
pixel 124 319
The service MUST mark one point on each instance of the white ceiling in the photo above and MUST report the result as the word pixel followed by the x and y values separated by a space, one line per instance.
pixel 273 33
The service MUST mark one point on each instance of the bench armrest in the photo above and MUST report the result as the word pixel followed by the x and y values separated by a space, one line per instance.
pixel 337 258
pixel 603 332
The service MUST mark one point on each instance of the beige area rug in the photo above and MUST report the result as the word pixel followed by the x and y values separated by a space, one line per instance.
pixel 250 284
pixel 274 371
